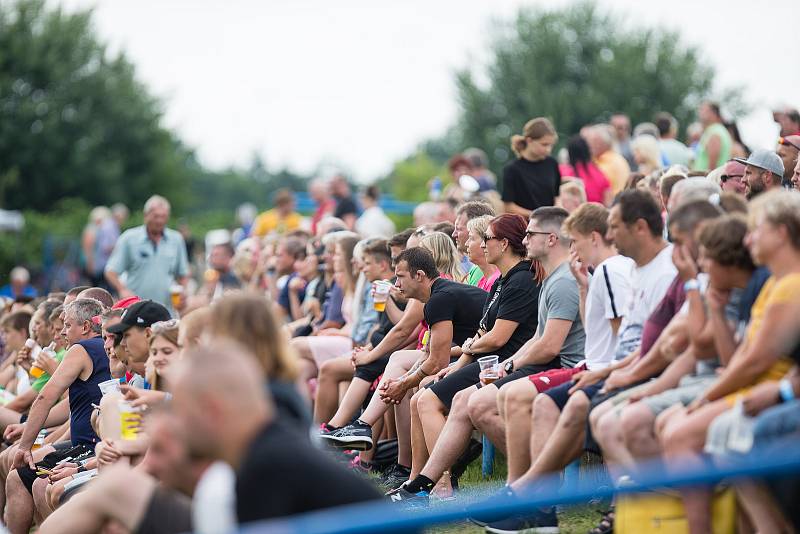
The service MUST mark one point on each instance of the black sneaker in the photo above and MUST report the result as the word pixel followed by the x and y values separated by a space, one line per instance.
pixel 356 436
pixel 502 497
pixel 537 523
pixel 396 476
pixel 411 500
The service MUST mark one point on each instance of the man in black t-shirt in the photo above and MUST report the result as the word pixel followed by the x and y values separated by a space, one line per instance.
pixel 452 312
pixel 219 395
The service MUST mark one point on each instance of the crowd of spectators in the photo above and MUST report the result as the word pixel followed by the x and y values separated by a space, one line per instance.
pixel 634 299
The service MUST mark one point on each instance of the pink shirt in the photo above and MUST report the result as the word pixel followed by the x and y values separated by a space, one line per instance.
pixel 486 283
pixel 594 181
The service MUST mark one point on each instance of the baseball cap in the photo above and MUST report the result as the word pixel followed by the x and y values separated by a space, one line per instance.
pixel 142 314
pixel 764 159
pixel 125 303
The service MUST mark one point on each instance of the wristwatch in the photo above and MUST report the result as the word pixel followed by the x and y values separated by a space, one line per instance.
pixel 509 367
pixel 691 285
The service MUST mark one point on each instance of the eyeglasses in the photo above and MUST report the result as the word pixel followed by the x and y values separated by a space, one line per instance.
pixel 531 233
pixel 736 177
pixel 162 326
pixel 784 141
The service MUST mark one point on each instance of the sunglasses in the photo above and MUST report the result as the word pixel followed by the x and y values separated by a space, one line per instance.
pixel 736 177
pixel 784 141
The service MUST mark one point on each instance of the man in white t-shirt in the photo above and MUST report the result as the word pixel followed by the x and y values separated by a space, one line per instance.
pixel 559 414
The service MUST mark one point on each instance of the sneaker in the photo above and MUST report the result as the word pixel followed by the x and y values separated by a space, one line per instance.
pixel 537 523
pixel 411 500
pixel 396 476
pixel 356 436
pixel 502 497
pixel 358 466
pixel 325 428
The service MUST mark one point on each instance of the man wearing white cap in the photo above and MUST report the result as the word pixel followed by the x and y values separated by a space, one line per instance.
pixel 763 171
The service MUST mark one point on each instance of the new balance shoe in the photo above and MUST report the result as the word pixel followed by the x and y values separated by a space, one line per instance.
pixel 356 436
pixel 412 500
pixel 540 522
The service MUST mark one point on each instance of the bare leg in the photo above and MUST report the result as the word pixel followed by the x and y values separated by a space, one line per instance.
pixel 432 417
pixel 19 505
pixel 402 419
pixel 331 374
pixel 761 508
pixel 557 437
pixel 418 448
pixel 518 399
pixel 609 431
pixel 41 507
pixel 454 437
pixel 485 417
pixel 120 494
pixel 400 362
pixel 8 417
pixel 638 427
pixel 390 424
pixel 683 441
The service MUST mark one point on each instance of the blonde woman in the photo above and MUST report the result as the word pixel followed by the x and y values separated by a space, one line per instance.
pixel 477 229
pixel 164 350
pixel 647 153
pixel 445 253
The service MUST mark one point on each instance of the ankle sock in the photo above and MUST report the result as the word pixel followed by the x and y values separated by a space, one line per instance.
pixel 421 483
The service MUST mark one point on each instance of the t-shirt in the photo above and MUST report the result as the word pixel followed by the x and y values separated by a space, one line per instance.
pixel 486 283
pixel 607 298
pixel 594 181
pixel 460 303
pixel 283 296
pixel 366 319
pixel 676 152
pixel 671 304
pixel 615 168
pixel 531 184
pixel 345 206
pixel 374 223
pixel 271 221
pixel 332 307
pixel 649 284
pixel 560 299
pixel 474 275
pixel 304 478
pixel 514 297
pixel 39 383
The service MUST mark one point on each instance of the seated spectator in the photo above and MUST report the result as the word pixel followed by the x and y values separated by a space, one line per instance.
pixel 476 230
pixel 19 284
pixel 134 329
pixel 465 213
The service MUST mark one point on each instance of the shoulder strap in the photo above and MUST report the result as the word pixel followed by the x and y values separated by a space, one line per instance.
pixel 610 291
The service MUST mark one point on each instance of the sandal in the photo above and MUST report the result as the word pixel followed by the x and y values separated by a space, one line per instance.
pixel 606 525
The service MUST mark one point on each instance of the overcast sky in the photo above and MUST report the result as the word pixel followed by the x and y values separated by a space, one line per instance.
pixel 358 84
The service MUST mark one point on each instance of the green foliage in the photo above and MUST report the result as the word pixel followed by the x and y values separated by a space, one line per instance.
pixel 74 121
pixel 576 65
pixel 409 178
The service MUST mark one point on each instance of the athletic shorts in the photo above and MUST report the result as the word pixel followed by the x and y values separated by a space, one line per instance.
pixel 619 399
pixel 560 394
pixel 554 377
pixel 63 451
pixel 469 375
pixel 168 512
pixel 689 388
pixel 369 372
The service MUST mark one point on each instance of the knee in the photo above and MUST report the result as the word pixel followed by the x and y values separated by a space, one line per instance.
pixel 634 419
pixel 460 405
pixel 517 395
pixel 54 493
pixel 606 428
pixel 327 371
pixel 482 403
pixel 428 403
pixel 544 406
pixel 13 484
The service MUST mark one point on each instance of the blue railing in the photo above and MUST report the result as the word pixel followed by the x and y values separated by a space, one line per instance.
pixel 387 202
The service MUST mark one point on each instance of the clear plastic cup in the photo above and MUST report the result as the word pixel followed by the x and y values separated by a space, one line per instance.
pixel 130 419
pixel 109 386
pixel 382 288
pixel 490 369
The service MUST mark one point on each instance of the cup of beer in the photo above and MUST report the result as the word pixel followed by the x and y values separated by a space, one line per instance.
pixel 130 419
pixel 109 386
pixel 35 372
pixel 176 296
pixel 490 369
pixel 382 288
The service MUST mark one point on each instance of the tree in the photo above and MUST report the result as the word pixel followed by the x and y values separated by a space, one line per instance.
pixel 75 122
pixel 576 65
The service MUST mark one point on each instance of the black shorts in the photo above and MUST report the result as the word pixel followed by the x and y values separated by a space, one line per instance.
pixel 560 394
pixel 62 452
pixel 372 370
pixel 590 443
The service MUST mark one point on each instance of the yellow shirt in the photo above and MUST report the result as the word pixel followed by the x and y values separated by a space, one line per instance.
pixel 615 167
pixel 271 221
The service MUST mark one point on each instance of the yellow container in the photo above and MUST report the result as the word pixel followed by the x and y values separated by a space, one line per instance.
pixel 662 512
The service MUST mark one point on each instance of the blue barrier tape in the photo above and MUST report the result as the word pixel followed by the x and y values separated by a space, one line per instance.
pixel 386 518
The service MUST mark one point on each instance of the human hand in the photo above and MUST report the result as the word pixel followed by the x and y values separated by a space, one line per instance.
pixel 13 432
pixel 22 458
pixel 585 379
pixel 297 284
pixel 466 345
pixel 578 269
pixel 443 373
pixel 46 362
pixel 142 398
pixel 686 265
pixel 107 453
pixel 761 397
pixel 393 391
pixel 360 357
pixel 63 471
pixel 717 299
pixel 696 404
pixel 616 380
pixel 23 359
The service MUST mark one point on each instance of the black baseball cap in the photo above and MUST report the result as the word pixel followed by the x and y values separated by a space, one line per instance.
pixel 141 314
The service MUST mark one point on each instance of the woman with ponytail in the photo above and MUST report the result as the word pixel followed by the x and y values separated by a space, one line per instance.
pixel 532 180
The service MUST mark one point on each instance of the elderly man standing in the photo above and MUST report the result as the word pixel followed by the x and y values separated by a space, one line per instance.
pixel 152 257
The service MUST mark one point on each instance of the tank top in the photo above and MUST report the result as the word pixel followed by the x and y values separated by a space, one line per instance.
pixel 82 393
pixel 701 162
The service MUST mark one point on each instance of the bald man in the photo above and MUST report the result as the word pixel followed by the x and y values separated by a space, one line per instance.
pixel 219 394
pixel 788 150
pixel 99 294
